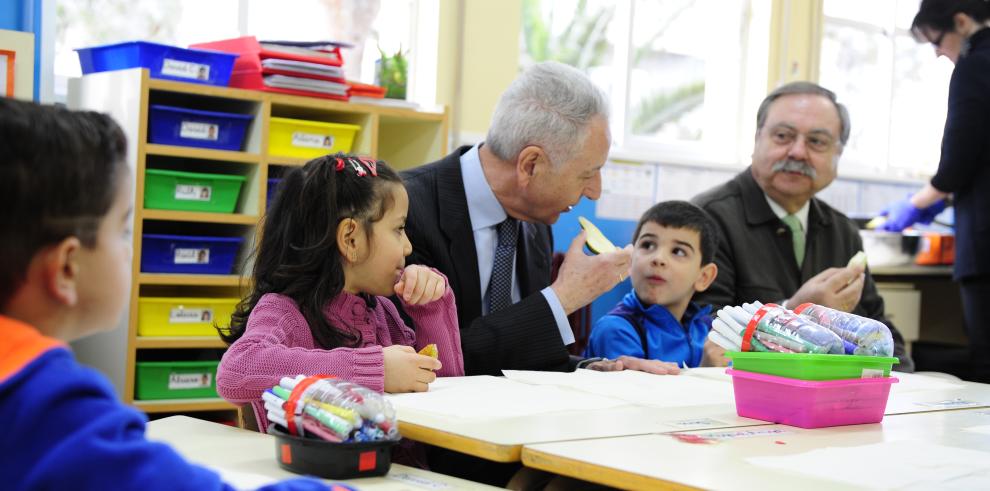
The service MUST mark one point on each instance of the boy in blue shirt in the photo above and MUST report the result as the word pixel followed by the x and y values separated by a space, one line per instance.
pixel 673 251
pixel 65 258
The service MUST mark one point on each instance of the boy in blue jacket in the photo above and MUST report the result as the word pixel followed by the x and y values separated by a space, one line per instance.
pixel 65 258
pixel 673 251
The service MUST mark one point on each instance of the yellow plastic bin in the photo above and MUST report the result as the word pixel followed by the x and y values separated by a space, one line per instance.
pixel 166 316
pixel 309 139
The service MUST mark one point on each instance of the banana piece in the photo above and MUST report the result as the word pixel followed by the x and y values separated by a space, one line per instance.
pixel 858 260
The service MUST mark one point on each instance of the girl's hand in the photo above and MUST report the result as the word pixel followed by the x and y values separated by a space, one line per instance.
pixel 420 285
pixel 407 371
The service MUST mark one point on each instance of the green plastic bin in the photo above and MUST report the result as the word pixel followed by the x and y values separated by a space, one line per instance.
pixel 807 366
pixel 191 191
pixel 175 379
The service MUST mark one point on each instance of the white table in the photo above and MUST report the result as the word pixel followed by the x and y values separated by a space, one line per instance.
pixel 501 439
pixel 247 458
pixel 668 462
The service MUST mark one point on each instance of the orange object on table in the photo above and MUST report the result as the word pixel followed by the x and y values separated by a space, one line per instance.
pixel 936 248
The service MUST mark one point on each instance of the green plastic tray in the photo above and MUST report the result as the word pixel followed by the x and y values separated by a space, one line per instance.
pixel 806 366
pixel 175 379
pixel 191 191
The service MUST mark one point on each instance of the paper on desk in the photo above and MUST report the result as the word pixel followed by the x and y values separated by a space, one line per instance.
pixel 913 382
pixel 491 398
pixel 713 373
pixel 636 387
pixel 243 480
pixel 984 429
pixel 887 465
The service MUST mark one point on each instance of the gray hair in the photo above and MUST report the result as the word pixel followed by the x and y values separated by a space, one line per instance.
pixel 550 106
pixel 805 88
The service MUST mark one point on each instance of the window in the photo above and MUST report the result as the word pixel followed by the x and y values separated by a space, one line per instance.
pixel 369 25
pixel 675 70
pixel 895 88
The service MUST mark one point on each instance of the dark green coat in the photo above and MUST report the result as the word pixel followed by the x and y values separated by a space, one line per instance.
pixel 755 257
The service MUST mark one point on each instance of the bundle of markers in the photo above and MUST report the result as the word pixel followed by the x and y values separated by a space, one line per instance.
pixel 810 328
pixel 330 409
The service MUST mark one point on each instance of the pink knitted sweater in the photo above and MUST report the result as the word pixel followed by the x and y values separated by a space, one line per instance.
pixel 278 343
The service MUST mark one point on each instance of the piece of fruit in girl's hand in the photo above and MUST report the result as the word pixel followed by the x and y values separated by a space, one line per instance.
pixel 430 350
pixel 595 239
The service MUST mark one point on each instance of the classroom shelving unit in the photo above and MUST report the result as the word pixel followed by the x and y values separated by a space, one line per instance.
pixel 402 137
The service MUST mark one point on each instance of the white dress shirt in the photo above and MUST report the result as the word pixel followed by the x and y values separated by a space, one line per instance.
pixel 486 213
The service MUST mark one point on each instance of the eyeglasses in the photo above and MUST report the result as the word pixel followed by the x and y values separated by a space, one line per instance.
pixel 937 42
pixel 817 142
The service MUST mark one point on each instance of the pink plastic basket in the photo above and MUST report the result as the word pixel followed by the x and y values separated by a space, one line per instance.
pixel 810 404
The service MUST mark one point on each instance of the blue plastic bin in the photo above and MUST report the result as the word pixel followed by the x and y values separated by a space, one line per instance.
pixel 188 254
pixel 162 61
pixel 272 189
pixel 193 128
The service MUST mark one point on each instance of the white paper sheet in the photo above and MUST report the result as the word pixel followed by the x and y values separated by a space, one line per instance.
pixel 912 382
pixel 627 191
pixel 887 465
pixel 493 398
pixel 243 480
pixel 984 429
pixel 637 387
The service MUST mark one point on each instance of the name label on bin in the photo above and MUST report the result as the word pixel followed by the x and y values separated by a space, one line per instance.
pixel 182 315
pixel 871 373
pixel 199 131
pixel 179 381
pixel 311 140
pixel 192 256
pixel 193 192
pixel 185 69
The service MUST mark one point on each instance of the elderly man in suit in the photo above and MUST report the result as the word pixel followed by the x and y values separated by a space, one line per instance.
pixel 482 217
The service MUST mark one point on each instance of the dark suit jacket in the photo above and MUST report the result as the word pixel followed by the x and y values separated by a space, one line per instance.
pixel 755 256
pixel 523 336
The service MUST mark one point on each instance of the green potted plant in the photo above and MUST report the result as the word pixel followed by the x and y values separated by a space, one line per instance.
pixel 391 74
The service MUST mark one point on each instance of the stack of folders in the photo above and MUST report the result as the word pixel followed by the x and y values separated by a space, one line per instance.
pixel 310 67
pixel 331 52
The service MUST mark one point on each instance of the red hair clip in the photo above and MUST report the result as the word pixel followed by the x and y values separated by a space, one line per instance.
pixel 356 164
pixel 371 164
pixel 340 164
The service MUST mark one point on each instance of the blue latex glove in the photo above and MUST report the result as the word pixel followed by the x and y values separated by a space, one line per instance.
pixel 903 214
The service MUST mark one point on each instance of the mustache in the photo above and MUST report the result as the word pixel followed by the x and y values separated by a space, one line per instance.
pixel 789 165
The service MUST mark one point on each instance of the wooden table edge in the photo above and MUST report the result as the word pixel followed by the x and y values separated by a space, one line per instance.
pixel 451 441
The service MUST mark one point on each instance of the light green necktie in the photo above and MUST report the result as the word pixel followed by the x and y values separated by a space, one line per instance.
pixel 797 236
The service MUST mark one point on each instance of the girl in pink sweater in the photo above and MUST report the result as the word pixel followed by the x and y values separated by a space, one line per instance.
pixel 332 249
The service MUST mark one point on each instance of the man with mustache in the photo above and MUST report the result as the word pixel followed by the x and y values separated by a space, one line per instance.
pixel 782 244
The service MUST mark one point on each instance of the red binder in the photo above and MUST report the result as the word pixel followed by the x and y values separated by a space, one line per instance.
pixel 365 90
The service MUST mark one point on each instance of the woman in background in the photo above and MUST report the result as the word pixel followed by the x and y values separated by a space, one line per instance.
pixel 958 30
